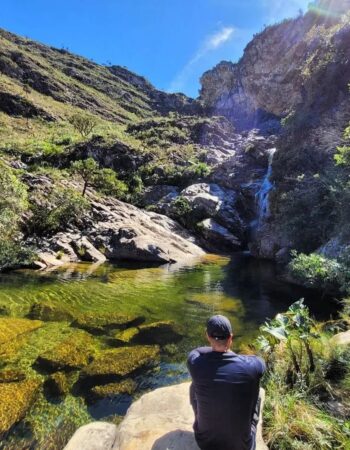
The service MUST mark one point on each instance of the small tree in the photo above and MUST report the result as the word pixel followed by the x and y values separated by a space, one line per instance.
pixel 83 123
pixel 87 170
pixel 105 180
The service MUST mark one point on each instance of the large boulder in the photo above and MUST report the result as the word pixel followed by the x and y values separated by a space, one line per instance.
pixel 160 420
pixel 218 236
pixel 94 436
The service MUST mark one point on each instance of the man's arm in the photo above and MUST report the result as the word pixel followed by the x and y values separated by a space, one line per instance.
pixel 194 354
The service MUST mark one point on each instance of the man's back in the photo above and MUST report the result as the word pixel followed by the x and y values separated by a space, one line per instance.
pixel 224 394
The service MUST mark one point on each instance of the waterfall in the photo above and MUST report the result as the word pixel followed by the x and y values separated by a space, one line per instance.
pixel 262 196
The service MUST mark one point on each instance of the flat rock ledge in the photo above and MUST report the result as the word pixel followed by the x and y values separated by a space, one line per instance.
pixel 159 420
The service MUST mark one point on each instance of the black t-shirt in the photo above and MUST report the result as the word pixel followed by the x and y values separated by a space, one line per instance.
pixel 224 393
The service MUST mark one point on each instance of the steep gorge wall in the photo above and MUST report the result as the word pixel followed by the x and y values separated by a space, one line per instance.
pixel 293 79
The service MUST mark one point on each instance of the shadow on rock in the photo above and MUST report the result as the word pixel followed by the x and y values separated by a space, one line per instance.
pixel 176 440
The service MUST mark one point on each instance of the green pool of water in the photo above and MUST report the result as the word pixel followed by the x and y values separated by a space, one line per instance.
pixel 245 290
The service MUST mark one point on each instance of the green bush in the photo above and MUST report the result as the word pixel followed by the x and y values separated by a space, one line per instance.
pixel 13 203
pixel 317 271
pixel 304 373
pixel 104 180
pixel 314 270
pixel 14 254
pixel 56 211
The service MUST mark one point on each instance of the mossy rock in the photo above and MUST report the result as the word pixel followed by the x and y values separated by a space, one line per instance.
pixel 9 375
pixel 15 400
pixel 160 333
pixel 113 365
pixel 11 328
pixel 73 353
pixel 109 390
pixel 97 323
pixel 127 336
pixel 49 312
pixel 57 384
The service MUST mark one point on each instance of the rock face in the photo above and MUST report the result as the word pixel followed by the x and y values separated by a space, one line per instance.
pixel 160 420
pixel 278 72
pixel 115 230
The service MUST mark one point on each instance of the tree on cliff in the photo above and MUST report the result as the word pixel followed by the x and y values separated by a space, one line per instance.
pixel 83 123
pixel 104 180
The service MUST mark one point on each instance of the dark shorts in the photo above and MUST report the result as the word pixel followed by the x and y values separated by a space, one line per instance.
pixel 255 421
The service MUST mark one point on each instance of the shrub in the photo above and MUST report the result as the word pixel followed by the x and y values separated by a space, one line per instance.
pixel 56 211
pixel 317 271
pixel 105 180
pixel 295 329
pixel 314 270
pixel 13 203
pixel 83 123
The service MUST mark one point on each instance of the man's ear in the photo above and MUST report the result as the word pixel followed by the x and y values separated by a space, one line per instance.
pixel 208 338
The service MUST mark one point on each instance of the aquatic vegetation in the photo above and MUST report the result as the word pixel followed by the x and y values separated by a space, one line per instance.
pixel 50 312
pixel 127 386
pixel 112 365
pixel 10 375
pixel 96 297
pixel 99 323
pixel 73 353
pixel 57 384
pixel 15 400
pixel 11 328
pixel 161 333
pixel 127 336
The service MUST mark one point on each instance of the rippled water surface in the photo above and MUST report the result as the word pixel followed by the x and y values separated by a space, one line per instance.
pixel 245 290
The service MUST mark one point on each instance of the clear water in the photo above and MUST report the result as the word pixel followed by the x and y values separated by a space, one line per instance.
pixel 244 289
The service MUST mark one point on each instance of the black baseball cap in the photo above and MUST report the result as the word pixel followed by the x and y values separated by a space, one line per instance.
pixel 219 327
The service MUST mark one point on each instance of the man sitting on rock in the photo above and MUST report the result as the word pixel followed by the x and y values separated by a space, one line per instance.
pixel 224 391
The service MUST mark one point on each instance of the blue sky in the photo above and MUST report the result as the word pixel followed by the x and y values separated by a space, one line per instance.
pixel 170 42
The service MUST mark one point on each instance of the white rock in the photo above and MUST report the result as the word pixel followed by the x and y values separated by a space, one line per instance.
pixel 341 338
pixel 94 436
pixel 163 420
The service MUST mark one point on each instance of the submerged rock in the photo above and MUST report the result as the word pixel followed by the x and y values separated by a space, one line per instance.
pixel 8 376
pixel 57 384
pixel 73 353
pixel 49 312
pixel 113 365
pixel 161 333
pixel 15 400
pixel 11 328
pixel 97 323
pixel 109 390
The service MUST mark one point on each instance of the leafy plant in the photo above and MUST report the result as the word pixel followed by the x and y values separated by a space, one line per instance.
pixel 295 329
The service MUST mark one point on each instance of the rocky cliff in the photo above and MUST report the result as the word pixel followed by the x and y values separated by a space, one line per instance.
pixel 293 80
